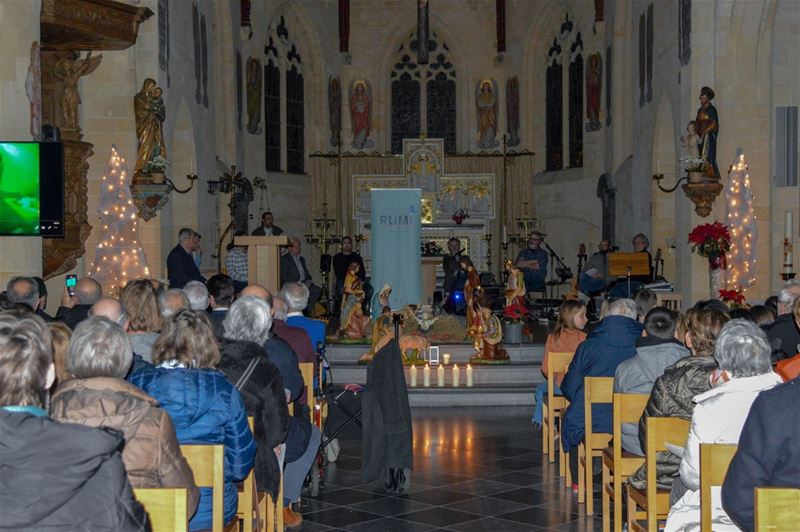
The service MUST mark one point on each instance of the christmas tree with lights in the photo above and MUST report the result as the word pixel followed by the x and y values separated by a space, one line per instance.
pixel 741 258
pixel 118 256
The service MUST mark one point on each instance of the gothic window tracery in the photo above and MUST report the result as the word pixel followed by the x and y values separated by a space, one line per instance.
pixel 576 104
pixel 272 108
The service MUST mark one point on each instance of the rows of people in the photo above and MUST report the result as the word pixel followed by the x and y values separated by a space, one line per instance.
pixel 99 399
pixel 708 366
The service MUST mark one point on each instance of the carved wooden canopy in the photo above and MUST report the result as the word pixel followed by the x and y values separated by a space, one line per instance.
pixel 90 24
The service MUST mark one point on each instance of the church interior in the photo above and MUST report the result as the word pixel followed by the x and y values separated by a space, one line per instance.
pixel 459 192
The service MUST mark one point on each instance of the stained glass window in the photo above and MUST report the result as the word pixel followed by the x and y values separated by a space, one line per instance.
pixel 272 116
pixel 554 118
pixel 295 152
pixel 576 107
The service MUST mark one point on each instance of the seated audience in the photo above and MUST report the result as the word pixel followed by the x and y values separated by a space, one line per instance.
pixel 772 305
pixel 784 332
pixel 55 476
pixel 655 351
pixel 115 311
pixel 172 301
pixel 205 408
pixel 297 338
pixel 294 270
pixel 743 353
pixel 296 297
pixel 741 313
pixel 236 263
pixel 762 315
pixel 594 277
pixel 40 309
pixel 532 262
pixel 263 393
pixel 98 358
pixel 220 297
pixel 646 300
pixel 75 309
pixel 673 393
pixel 620 287
pixel 60 335
pixel 197 293
pixel 181 264
pixel 565 338
pixel 769 452
pixel 140 301
pixel 23 290
pixel 247 324
pixel 609 344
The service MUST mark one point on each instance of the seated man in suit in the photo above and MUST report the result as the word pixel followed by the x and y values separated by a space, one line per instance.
pixel 181 267
pixel 294 270
pixel 266 228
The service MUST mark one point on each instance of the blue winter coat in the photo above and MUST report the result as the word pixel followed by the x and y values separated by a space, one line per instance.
pixel 609 344
pixel 206 409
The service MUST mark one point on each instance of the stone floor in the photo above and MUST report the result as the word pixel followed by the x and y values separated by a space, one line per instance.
pixel 474 469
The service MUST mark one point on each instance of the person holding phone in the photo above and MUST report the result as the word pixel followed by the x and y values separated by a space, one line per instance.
pixel 79 296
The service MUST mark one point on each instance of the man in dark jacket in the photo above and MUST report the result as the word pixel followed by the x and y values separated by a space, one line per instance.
pixel 75 309
pixel 181 267
pixel 56 476
pixel 267 228
pixel 294 270
pixel 611 343
pixel 220 297
pixel 784 332
pixel 768 454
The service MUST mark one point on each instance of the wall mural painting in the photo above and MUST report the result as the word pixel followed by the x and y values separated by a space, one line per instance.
pixel 486 107
pixel 594 86
pixel 512 111
pixel 335 110
pixel 253 96
pixel 360 98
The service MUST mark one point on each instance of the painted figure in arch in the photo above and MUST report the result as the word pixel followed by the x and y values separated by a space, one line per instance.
pixel 512 111
pixel 707 122
pixel 594 86
pixel 253 96
pixel 361 114
pixel 486 105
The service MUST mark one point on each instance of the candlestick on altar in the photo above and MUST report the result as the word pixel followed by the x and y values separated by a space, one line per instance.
pixel 470 377
pixel 456 375
pixel 426 376
pixel 440 376
pixel 446 358
pixel 412 374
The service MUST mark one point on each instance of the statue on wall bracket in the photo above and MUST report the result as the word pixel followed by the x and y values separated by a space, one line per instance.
pixel 150 113
pixel 486 107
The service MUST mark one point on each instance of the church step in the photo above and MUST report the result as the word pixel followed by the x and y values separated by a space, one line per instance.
pixel 511 395
pixel 523 374
pixel 459 353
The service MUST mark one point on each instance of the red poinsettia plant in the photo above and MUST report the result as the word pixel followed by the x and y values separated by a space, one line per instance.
pixel 735 297
pixel 515 312
pixel 710 240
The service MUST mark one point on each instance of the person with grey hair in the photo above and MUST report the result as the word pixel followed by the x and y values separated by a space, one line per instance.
pixel 646 300
pixel 21 289
pixel 743 353
pixel 296 296
pixel 172 301
pixel 181 267
pixel 75 308
pixel 610 343
pixel 113 310
pixel 197 294
pixel 784 332
pixel 99 356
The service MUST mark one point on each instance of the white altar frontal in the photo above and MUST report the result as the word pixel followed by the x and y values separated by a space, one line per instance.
pixel 444 198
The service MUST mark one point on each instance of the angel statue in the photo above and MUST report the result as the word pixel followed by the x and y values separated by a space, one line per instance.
pixel 515 286
pixel 486 105
pixel 70 71
pixel 361 114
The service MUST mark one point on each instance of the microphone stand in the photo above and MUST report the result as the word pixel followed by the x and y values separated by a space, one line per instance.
pixel 554 258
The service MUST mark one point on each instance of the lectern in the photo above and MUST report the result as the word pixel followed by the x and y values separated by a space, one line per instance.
pixel 263 259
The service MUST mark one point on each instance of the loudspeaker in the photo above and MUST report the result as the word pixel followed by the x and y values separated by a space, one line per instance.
pixel 51 133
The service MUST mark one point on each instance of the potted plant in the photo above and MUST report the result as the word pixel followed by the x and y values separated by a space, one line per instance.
pixel 734 298
pixel 712 241
pixel 513 320
pixel 156 168
pixel 696 169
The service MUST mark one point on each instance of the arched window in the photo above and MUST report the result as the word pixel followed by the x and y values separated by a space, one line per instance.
pixel 554 118
pixel 438 99
pixel 272 108
pixel 295 153
pixel 576 104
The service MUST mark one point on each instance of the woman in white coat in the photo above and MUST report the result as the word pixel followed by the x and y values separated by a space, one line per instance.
pixel 743 354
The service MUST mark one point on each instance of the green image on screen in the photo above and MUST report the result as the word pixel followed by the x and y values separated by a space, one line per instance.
pixel 19 188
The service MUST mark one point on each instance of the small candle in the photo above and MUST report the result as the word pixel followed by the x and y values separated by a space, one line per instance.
pixel 470 381
pixel 446 358
pixel 455 375
pixel 440 376
pixel 412 374
pixel 788 232
pixel 426 376
pixel 505 234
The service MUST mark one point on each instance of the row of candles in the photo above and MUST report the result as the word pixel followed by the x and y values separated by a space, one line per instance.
pixel 426 376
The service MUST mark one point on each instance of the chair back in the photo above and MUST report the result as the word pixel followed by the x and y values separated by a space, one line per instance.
pixel 596 390
pixel 207 463
pixel 670 300
pixel 556 362
pixel 307 370
pixel 777 509
pixel 660 431
pixel 714 461
pixel 167 508
pixel 628 408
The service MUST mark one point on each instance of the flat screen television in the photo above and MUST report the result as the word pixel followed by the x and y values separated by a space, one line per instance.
pixel 32 189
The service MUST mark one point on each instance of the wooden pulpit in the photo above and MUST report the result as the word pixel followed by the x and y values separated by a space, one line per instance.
pixel 263 259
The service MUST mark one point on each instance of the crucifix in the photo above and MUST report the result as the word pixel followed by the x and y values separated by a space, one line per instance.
pixel 241 194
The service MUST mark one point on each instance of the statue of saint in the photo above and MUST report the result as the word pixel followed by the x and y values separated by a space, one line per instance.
pixel 515 285
pixel 707 124
pixel 149 111
pixel 594 85
pixel 70 72
pixel 352 322
pixel 361 114
pixel 486 105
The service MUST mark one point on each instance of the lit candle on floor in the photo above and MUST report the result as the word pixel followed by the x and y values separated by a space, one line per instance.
pixel 456 375
pixel 470 381
pixel 446 358
pixel 426 376
pixel 412 376
pixel 440 376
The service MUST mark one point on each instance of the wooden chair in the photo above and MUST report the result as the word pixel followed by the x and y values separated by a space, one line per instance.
pixel 258 507
pixel 207 463
pixel 596 390
pixel 714 461
pixel 618 464
pixel 167 508
pixel 670 300
pixel 655 502
pixel 777 509
pixel 307 371
pixel 555 406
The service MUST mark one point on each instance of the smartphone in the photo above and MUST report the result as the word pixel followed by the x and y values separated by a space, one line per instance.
pixel 72 280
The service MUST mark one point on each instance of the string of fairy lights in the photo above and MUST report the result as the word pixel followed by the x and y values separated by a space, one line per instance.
pixel 741 258
pixel 119 256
